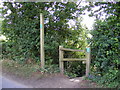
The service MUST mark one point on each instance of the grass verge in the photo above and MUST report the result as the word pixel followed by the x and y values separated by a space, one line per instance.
pixel 27 70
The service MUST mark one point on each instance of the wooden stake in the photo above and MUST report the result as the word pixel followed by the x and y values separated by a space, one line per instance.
pixel 42 41
pixel 88 61
pixel 61 66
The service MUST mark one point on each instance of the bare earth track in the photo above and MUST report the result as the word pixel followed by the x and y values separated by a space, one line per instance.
pixel 56 81
pixel 39 80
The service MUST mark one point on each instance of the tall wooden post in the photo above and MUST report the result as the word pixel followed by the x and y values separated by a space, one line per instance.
pixel 42 57
pixel 60 59
pixel 88 61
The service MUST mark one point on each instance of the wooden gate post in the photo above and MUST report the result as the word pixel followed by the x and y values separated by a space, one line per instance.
pixel 88 61
pixel 42 57
pixel 61 66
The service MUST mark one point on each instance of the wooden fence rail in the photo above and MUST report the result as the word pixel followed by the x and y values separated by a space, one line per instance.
pixel 62 59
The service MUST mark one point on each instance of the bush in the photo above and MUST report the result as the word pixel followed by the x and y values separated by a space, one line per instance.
pixel 106 52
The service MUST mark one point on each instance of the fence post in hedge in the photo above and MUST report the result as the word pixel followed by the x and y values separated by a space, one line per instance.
pixel 88 61
pixel 60 59
pixel 42 57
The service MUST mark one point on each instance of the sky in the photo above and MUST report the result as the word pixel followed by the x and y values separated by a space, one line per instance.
pixel 88 21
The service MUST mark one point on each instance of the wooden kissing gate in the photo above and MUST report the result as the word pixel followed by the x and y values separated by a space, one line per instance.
pixel 62 59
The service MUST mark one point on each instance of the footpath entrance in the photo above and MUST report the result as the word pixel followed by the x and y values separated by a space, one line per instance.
pixel 62 59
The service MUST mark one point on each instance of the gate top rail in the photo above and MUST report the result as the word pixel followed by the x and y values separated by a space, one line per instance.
pixel 75 50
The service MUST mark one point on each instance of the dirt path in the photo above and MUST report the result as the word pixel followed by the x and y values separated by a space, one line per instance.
pixel 57 81
pixel 42 80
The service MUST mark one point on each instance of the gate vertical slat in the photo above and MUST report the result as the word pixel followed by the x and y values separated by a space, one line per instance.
pixel 61 59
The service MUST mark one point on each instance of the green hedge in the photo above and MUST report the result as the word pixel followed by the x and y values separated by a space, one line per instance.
pixel 106 52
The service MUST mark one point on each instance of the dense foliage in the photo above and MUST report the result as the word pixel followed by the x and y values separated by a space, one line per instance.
pixel 106 46
pixel 21 27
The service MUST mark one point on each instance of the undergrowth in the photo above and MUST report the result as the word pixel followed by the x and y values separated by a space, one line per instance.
pixel 103 83
pixel 27 70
